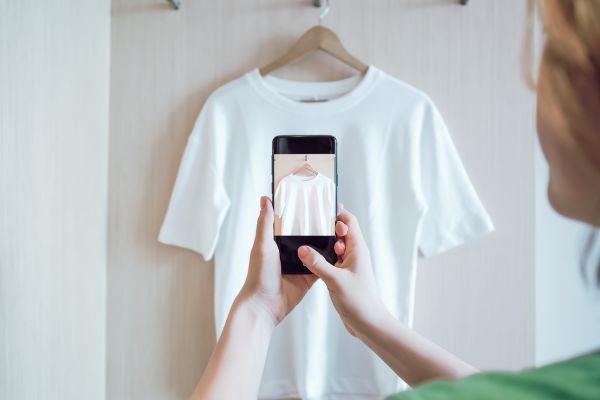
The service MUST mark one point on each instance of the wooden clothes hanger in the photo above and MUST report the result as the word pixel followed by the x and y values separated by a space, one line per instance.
pixel 306 167
pixel 316 38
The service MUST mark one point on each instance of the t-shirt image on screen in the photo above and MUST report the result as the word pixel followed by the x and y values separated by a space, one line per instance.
pixel 304 197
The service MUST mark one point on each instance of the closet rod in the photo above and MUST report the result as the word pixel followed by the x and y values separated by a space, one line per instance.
pixel 175 3
pixel 317 3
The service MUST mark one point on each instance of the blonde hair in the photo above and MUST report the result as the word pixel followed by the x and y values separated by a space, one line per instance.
pixel 571 58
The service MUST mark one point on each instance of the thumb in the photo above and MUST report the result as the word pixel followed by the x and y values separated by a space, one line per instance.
pixel 264 225
pixel 317 264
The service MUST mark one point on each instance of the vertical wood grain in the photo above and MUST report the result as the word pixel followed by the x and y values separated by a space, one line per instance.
pixel 477 300
pixel 54 80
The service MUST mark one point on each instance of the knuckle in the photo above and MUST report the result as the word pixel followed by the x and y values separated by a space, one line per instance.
pixel 313 259
pixel 348 218
pixel 353 220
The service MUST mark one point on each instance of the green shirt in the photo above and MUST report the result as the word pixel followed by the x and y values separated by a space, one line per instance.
pixel 578 378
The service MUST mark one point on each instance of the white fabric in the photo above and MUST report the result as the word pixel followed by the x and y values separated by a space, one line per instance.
pixel 306 205
pixel 398 172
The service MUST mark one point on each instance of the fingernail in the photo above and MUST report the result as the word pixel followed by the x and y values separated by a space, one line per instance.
pixel 302 251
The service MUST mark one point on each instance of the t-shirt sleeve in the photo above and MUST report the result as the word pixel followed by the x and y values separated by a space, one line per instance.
pixel 453 211
pixel 577 378
pixel 280 198
pixel 486 386
pixel 199 201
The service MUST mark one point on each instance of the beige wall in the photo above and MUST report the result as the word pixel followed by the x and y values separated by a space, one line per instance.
pixel 54 77
pixel 477 300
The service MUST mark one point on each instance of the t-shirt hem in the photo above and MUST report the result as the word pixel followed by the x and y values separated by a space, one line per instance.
pixel 170 240
pixel 459 241
pixel 336 389
pixel 328 396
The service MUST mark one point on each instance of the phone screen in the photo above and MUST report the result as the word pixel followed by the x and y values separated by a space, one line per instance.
pixel 304 197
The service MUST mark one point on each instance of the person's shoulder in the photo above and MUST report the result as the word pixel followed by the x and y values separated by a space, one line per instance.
pixel 577 378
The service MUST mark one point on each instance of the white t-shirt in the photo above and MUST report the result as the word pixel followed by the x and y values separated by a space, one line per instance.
pixel 306 205
pixel 398 172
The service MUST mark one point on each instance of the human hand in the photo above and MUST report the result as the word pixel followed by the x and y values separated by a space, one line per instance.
pixel 350 281
pixel 274 295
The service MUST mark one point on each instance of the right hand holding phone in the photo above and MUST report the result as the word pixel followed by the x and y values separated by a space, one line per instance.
pixel 350 281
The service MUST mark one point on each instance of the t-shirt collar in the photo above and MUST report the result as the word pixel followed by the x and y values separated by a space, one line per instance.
pixel 352 90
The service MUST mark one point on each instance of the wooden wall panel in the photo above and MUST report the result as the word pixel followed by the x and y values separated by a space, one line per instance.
pixel 477 300
pixel 54 81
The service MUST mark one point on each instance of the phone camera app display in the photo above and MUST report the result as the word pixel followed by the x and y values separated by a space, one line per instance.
pixel 304 197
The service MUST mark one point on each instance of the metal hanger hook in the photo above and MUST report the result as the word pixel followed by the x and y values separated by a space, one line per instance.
pixel 324 11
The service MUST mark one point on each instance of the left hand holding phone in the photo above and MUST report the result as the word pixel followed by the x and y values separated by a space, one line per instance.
pixel 265 287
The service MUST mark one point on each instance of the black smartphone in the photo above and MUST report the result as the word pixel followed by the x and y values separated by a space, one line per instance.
pixel 304 190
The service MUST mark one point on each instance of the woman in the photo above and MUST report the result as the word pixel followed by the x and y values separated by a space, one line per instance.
pixel 568 124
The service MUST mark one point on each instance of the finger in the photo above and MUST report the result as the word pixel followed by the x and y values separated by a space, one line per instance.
pixel 354 232
pixel 317 264
pixel 340 208
pixel 339 247
pixel 264 225
pixel 341 229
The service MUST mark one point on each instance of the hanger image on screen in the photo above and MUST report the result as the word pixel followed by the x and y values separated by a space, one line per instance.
pixel 306 167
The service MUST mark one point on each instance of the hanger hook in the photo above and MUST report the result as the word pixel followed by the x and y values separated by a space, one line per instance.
pixel 325 10
pixel 175 3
